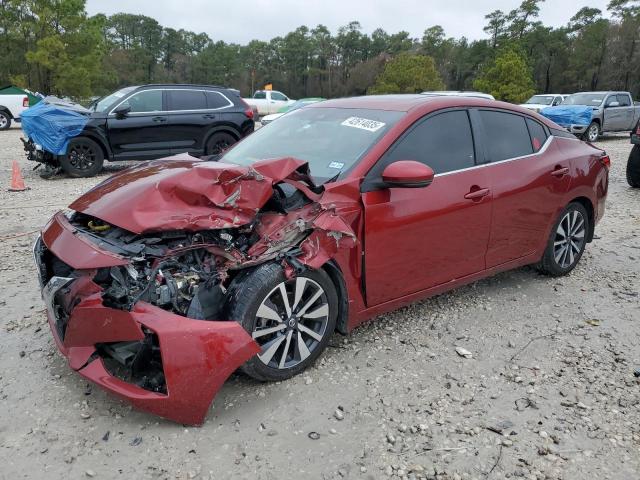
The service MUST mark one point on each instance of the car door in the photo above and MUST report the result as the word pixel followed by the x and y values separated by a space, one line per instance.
pixel 613 114
pixel 277 101
pixel 417 238
pixel 189 117
pixel 142 133
pixel 528 178
pixel 626 106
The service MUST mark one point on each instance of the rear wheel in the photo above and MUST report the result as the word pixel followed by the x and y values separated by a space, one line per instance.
pixel 567 241
pixel 218 143
pixel 5 121
pixel 633 167
pixel 290 319
pixel 592 133
pixel 84 158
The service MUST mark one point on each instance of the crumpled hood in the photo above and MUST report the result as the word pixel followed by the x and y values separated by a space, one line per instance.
pixel 183 193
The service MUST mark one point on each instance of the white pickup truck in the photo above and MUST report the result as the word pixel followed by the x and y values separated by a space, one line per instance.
pixel 268 101
pixel 11 107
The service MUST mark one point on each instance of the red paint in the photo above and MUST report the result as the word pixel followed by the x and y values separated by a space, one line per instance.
pixel 396 244
pixel 406 173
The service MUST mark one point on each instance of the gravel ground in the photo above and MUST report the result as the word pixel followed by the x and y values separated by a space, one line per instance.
pixel 549 392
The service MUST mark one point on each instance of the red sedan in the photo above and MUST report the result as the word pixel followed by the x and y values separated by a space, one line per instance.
pixel 167 277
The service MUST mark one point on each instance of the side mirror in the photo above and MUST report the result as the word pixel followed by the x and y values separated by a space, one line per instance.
pixel 122 111
pixel 613 104
pixel 407 174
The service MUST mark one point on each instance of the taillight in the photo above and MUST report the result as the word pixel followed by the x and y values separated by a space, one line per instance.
pixel 25 102
pixel 248 111
pixel 605 160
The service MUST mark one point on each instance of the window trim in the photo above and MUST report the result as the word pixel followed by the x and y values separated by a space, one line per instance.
pixel 165 102
pixel 369 183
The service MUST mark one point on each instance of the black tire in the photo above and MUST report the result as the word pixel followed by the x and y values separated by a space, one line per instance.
pixel 550 265
pixel 633 167
pixel 592 132
pixel 84 158
pixel 218 143
pixel 252 289
pixel 5 120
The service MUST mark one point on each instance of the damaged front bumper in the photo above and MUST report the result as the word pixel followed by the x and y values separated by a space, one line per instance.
pixel 174 365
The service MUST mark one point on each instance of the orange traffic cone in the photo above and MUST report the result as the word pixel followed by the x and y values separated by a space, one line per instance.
pixel 17 182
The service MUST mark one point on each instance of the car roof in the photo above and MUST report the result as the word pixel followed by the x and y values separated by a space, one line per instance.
pixel 409 102
pixel 600 92
pixel 181 85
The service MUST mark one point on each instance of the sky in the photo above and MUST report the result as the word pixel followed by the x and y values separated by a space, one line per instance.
pixel 240 21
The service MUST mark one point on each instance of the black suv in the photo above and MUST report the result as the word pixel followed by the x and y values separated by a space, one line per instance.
pixel 633 164
pixel 149 122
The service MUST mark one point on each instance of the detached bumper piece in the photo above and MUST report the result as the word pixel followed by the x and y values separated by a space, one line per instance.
pixel 160 362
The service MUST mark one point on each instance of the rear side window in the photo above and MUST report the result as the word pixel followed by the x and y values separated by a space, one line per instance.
pixel 187 100
pixel 506 135
pixel 444 142
pixel 216 100
pixel 538 134
pixel 145 101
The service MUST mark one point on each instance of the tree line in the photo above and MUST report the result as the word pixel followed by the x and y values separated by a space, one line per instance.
pixel 54 47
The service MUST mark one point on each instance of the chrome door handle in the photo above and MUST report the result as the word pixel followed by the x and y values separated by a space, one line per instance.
pixel 477 194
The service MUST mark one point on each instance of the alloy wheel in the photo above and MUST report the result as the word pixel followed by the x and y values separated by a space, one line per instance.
pixel 569 239
pixel 592 133
pixel 291 322
pixel 82 157
pixel 220 147
pixel 3 121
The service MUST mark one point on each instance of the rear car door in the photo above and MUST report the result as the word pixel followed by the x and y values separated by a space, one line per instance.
pixel 528 177
pixel 626 106
pixel 190 118
pixel 417 238
pixel 142 133
pixel 614 114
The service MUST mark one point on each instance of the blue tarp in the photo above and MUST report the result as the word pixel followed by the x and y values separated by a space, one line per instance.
pixel 52 126
pixel 566 115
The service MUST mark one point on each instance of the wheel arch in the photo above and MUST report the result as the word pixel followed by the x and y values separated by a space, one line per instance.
pixel 588 206
pixel 221 129
pixel 332 269
pixel 4 109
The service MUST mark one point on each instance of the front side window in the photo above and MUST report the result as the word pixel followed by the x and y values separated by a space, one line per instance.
pixel 624 100
pixel 506 135
pixel 260 95
pixel 187 100
pixel 278 96
pixel 145 101
pixel 444 142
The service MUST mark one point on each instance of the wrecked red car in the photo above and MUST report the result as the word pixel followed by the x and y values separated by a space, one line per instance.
pixel 169 276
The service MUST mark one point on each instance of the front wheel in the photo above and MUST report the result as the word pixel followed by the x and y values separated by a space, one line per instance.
pixel 567 241
pixel 5 121
pixel 290 319
pixel 633 167
pixel 592 133
pixel 84 158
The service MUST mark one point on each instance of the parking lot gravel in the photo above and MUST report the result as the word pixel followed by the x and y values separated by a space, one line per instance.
pixel 519 376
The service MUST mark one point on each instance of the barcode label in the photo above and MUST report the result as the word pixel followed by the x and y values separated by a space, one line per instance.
pixel 363 124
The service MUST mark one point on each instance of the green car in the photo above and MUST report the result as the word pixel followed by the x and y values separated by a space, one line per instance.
pixel 289 108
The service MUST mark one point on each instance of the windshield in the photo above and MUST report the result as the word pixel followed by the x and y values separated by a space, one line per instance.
pixel 105 102
pixel 332 140
pixel 541 99
pixel 591 99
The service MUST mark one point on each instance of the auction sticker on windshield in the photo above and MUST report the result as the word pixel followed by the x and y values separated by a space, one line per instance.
pixel 363 124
